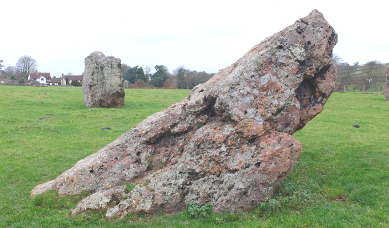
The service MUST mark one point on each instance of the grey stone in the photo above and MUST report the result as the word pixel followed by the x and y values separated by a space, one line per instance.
pixel 103 82
pixel 126 84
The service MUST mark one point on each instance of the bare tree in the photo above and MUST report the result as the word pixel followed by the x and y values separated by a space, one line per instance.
pixel 345 73
pixel 379 76
pixel 26 64
pixel 124 68
pixel 147 72
pixel 373 70
pixel 1 66
pixel 337 58
pixel 12 71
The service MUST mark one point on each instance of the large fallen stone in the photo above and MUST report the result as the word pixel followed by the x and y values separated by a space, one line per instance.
pixel 229 143
pixel 103 82
pixel 387 83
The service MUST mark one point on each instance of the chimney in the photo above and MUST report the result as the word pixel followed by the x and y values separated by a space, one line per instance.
pixel 36 71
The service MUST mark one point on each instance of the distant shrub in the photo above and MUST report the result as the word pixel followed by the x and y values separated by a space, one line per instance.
pixel 75 83
pixel 140 83
pixel 167 83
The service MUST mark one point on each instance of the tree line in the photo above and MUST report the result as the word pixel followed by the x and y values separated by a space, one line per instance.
pixel 181 77
pixel 137 76
pixel 351 77
pixel 355 77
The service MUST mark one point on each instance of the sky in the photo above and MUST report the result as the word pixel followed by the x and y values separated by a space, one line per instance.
pixel 201 35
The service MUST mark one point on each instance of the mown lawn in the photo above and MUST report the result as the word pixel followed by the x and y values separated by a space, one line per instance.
pixel 340 180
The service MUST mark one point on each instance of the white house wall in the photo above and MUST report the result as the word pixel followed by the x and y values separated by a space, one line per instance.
pixel 42 81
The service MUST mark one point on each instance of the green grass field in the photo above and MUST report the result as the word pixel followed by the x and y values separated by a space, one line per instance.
pixel 340 180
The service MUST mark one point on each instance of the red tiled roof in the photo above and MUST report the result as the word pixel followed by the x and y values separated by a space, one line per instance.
pixel 38 75
pixel 53 80
pixel 73 77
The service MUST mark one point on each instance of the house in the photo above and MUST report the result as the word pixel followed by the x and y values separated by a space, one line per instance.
pixel 52 81
pixel 71 78
pixel 7 80
pixel 42 78
pixel 4 79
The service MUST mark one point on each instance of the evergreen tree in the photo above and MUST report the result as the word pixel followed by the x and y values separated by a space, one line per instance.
pixel 160 76
pixel 140 74
pixel 76 83
pixel 131 74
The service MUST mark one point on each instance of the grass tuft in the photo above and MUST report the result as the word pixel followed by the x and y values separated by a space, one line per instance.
pixel 51 200
pixel 129 188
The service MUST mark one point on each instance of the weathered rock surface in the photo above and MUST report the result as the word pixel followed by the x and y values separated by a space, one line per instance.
pixel 103 82
pixel 387 83
pixel 229 143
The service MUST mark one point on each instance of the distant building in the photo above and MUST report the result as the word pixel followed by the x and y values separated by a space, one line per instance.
pixel 53 81
pixel 38 77
pixel 41 78
pixel 4 79
pixel 71 78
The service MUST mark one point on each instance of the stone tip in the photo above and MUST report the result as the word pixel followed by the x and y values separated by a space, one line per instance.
pixel 42 188
pixel 98 53
pixel 315 13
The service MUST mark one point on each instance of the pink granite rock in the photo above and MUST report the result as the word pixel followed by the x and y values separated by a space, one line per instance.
pixel 229 143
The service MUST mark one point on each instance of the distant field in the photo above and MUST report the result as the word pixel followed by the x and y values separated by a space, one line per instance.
pixel 340 180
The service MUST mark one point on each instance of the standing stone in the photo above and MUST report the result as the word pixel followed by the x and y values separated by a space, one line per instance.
pixel 103 82
pixel 126 84
pixel 387 83
pixel 229 143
